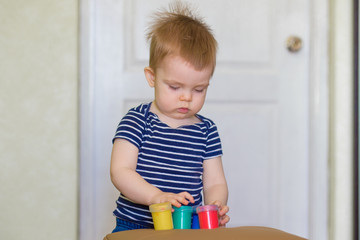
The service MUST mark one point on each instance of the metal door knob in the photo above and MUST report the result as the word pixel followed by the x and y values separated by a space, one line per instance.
pixel 294 43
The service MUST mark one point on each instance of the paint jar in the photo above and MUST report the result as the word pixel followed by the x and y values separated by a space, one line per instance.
pixel 208 216
pixel 182 217
pixel 195 220
pixel 161 214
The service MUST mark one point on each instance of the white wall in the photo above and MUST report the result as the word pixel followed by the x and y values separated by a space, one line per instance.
pixel 38 123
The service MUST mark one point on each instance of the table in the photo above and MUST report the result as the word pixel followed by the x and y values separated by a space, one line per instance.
pixel 238 233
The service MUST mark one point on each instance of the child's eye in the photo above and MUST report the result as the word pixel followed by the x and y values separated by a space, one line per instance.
pixel 173 87
pixel 200 90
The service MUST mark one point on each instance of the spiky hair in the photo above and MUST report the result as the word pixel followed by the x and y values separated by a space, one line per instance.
pixel 180 32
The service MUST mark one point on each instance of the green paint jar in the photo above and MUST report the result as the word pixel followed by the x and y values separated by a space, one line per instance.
pixel 182 217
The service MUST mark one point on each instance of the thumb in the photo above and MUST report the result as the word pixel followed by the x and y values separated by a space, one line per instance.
pixel 217 203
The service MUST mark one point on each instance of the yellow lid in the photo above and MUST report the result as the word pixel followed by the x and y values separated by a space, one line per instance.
pixel 160 207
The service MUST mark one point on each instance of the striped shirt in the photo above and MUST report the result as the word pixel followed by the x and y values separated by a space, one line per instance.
pixel 169 158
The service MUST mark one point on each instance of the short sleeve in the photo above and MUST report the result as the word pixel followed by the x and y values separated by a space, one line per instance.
pixel 213 144
pixel 131 127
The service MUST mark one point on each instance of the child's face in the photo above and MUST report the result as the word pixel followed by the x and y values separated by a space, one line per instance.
pixel 180 89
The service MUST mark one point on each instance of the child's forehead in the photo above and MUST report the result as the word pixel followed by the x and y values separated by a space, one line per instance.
pixel 175 68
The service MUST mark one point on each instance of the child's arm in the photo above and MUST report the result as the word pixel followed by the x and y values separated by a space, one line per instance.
pixel 131 184
pixel 215 187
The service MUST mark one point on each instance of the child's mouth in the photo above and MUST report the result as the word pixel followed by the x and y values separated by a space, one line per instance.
pixel 183 110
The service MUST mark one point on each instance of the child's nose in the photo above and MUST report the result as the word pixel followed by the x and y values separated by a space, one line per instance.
pixel 186 96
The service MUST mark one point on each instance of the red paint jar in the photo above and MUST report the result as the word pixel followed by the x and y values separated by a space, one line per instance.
pixel 208 216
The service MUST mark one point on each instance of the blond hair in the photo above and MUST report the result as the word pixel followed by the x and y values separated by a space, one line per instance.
pixel 179 32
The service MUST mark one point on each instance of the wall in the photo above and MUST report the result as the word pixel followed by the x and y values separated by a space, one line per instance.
pixel 39 119
pixel 341 122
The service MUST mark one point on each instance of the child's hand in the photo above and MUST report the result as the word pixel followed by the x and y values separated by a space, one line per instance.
pixel 176 200
pixel 223 209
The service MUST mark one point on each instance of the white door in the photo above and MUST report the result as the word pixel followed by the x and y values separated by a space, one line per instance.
pixel 259 98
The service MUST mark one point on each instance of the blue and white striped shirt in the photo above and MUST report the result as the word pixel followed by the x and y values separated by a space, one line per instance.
pixel 169 158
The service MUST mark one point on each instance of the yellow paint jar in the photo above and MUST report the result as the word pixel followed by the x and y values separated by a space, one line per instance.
pixel 161 214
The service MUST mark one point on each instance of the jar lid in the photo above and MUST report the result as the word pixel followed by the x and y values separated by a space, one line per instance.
pixel 207 208
pixel 160 207
pixel 183 209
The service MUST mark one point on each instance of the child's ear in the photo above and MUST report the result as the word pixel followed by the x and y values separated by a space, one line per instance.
pixel 150 76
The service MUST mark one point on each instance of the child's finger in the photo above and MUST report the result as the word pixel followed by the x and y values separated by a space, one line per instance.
pixel 223 210
pixel 175 202
pixel 217 203
pixel 187 196
pixel 224 220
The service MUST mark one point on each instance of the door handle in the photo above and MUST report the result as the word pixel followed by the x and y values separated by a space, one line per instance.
pixel 294 43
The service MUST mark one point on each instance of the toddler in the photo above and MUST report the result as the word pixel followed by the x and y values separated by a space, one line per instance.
pixel 164 151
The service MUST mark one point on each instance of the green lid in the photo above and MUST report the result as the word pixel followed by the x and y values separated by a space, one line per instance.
pixel 183 208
